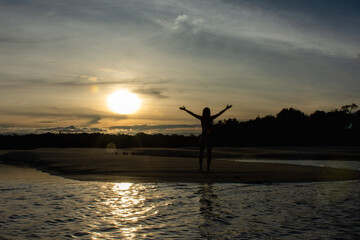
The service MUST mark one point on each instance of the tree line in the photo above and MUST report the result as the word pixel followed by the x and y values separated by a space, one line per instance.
pixel 293 127
pixel 290 127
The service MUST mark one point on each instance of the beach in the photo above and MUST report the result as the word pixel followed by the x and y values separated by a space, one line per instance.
pixel 181 164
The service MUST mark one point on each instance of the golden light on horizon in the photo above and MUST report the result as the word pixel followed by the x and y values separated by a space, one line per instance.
pixel 94 88
pixel 123 102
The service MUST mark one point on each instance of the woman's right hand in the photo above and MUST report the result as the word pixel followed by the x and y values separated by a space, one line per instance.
pixel 182 108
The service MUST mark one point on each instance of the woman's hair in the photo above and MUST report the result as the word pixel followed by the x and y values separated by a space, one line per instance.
pixel 206 112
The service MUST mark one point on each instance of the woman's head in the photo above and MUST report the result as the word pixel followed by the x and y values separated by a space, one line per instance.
pixel 206 112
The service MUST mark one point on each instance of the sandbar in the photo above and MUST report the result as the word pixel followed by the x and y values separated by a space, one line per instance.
pixel 167 165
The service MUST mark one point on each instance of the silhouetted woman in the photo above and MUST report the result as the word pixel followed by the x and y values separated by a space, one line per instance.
pixel 206 138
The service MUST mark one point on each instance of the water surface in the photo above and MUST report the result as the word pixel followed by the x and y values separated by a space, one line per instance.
pixel 344 164
pixel 37 205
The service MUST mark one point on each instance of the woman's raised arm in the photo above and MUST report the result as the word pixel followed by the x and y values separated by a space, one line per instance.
pixel 221 112
pixel 190 112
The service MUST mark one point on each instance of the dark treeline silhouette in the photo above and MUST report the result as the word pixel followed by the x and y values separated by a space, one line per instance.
pixel 290 127
pixel 96 140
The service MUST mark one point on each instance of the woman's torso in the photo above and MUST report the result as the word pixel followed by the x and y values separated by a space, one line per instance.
pixel 207 125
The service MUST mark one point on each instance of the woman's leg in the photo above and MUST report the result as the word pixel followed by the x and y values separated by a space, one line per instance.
pixel 201 152
pixel 209 149
pixel 201 156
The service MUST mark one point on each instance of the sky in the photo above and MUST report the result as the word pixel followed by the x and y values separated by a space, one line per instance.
pixel 60 60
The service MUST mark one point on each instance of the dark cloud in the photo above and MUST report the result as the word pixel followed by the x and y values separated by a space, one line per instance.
pixel 29 40
pixel 64 114
pixel 71 129
pixel 151 91
pixel 307 14
pixel 89 11
pixel 47 122
pixel 155 92
pixel 155 127
pixel 94 120
pixel 2 125
pixel 6 83
pixel 80 82
pixel 166 129
pixel 320 8
pixel 273 62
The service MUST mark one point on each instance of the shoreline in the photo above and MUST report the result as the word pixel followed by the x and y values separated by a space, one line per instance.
pixel 170 165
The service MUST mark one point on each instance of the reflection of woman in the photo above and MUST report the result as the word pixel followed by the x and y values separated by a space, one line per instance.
pixel 206 138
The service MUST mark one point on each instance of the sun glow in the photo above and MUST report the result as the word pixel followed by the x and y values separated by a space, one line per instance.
pixel 123 102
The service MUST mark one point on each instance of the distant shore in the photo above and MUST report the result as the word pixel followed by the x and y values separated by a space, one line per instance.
pixel 181 164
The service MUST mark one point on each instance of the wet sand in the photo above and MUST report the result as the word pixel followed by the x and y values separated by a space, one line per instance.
pixel 176 165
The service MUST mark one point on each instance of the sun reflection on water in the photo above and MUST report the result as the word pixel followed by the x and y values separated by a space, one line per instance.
pixel 126 210
pixel 118 187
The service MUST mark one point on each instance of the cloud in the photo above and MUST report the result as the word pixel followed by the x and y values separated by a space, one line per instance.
pixel 91 79
pixel 16 130
pixel 94 119
pixel 280 23
pixel 30 40
pixel 158 127
pixel 70 129
pixel 54 115
pixel 184 129
pixel 272 53
pixel 154 92
pixel 182 24
pixel 108 70
pixel 6 129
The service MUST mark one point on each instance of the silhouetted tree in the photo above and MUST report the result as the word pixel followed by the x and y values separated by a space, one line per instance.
pixel 349 108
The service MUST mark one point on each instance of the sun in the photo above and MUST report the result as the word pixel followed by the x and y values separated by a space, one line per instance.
pixel 123 102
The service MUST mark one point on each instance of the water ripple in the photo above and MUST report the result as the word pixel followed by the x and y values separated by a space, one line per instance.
pixel 95 210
